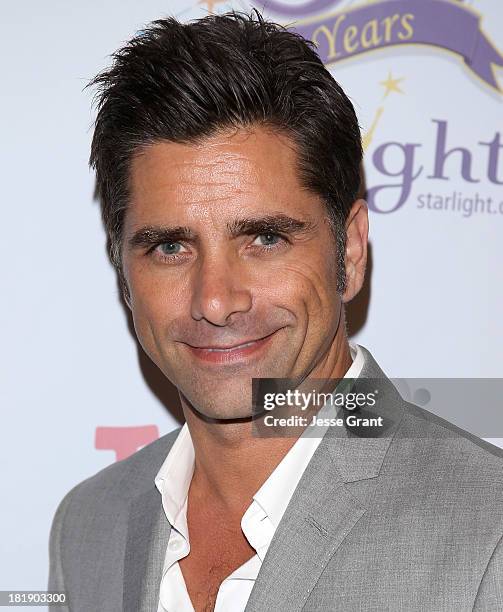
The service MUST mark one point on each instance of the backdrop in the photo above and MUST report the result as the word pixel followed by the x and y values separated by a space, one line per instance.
pixel 77 394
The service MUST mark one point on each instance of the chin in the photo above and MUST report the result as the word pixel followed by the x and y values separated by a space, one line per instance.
pixel 218 407
pixel 226 414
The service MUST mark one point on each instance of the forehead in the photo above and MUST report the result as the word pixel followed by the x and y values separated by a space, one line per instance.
pixel 243 168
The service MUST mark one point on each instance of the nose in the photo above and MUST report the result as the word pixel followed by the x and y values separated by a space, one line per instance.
pixel 219 290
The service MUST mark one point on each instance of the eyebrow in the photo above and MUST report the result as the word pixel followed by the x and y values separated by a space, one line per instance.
pixel 280 223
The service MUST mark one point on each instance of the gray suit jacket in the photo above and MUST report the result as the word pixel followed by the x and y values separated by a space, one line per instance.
pixel 407 520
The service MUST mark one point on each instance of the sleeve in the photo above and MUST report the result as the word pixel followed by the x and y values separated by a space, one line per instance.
pixel 56 580
pixel 490 593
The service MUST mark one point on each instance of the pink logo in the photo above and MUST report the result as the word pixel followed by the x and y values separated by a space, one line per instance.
pixel 124 440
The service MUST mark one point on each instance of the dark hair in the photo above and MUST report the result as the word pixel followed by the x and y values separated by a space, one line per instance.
pixel 184 82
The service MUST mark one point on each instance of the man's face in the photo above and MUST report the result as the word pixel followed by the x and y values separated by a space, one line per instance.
pixel 223 248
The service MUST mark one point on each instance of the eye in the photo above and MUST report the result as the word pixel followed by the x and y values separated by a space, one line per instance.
pixel 271 240
pixel 169 248
pixel 168 251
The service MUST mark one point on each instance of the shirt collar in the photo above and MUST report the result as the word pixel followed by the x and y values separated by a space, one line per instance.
pixel 173 480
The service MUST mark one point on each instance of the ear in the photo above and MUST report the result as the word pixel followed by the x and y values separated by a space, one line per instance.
pixel 126 296
pixel 357 229
pixel 127 299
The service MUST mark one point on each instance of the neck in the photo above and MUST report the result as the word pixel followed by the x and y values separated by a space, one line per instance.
pixel 231 463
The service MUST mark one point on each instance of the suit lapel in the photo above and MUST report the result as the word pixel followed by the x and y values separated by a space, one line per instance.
pixel 320 515
pixel 147 539
pixel 147 531
pixel 323 509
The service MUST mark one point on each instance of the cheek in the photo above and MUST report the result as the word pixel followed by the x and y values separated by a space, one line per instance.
pixel 309 291
pixel 308 284
pixel 154 305
pixel 152 292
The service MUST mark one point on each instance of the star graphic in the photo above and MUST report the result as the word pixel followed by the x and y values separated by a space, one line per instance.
pixel 391 84
pixel 210 4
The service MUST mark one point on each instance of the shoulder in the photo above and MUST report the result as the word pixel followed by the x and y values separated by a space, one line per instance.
pixel 118 483
pixel 443 491
pixel 464 446
pixel 448 466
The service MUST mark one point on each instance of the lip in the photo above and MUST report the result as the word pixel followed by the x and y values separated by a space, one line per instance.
pixel 225 355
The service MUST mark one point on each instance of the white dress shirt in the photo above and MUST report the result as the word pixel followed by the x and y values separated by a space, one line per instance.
pixel 258 523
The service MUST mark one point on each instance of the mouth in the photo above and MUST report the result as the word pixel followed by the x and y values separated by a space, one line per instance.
pixel 231 354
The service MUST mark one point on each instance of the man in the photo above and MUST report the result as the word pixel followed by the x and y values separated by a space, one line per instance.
pixel 227 162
